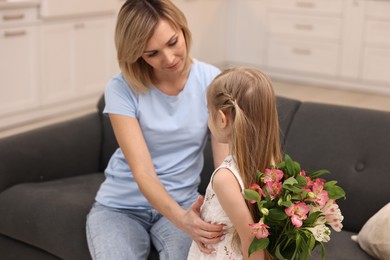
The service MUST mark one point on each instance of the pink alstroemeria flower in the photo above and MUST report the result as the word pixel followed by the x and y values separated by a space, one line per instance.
pixel 297 212
pixel 321 194
pixel 257 188
pixel 260 230
pixel 309 182
pixel 272 175
pixel 274 189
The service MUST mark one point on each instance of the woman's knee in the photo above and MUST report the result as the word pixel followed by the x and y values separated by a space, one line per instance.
pixel 170 242
pixel 112 234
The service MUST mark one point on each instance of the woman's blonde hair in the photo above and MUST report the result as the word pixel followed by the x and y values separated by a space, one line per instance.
pixel 247 97
pixel 136 22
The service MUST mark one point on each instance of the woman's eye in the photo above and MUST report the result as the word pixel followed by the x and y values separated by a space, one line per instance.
pixel 152 54
pixel 173 43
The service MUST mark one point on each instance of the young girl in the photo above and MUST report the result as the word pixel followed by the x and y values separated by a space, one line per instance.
pixel 242 113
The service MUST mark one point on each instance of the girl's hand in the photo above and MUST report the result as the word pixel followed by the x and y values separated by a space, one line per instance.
pixel 201 232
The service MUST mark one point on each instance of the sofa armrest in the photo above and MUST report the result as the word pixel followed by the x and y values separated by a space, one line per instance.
pixel 63 149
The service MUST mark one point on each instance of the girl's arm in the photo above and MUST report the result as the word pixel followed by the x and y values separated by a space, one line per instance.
pixel 229 194
pixel 130 138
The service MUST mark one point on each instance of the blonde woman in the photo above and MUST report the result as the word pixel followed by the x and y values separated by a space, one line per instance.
pixel 241 104
pixel 158 111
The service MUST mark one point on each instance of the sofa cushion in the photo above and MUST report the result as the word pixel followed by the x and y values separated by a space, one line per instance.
pixel 354 145
pixel 16 250
pixel 341 247
pixel 50 215
pixel 374 237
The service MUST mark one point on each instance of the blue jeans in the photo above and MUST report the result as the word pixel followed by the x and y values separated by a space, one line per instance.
pixel 115 234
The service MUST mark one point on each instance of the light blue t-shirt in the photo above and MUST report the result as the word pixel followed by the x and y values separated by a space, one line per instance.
pixel 175 131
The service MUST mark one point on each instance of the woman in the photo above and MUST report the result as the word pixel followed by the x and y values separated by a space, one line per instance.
pixel 158 111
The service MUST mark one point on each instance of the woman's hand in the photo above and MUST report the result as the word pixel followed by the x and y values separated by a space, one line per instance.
pixel 201 232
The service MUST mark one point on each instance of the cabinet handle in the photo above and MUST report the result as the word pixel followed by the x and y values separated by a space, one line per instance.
pixel 302 51
pixel 14 33
pixel 9 17
pixel 79 25
pixel 305 4
pixel 306 27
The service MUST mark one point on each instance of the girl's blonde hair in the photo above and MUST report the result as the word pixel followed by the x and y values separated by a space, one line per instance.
pixel 247 97
pixel 136 22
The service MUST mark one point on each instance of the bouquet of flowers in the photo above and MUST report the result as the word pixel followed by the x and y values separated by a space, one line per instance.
pixel 296 210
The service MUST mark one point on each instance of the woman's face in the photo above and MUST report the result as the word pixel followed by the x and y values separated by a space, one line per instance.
pixel 166 50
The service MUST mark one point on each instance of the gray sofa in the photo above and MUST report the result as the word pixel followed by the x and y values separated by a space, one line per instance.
pixel 49 176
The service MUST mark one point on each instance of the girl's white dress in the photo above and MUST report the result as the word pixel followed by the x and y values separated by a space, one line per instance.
pixel 211 211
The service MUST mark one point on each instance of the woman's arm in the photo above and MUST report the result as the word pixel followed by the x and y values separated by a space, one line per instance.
pixel 135 150
pixel 233 203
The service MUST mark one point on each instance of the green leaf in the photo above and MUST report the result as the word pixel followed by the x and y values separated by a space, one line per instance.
pixel 281 166
pixel 278 254
pixel 286 203
pixel 276 214
pixel 251 195
pixel 292 189
pixel 297 167
pixel 312 218
pixel 322 251
pixel 298 241
pixel 301 181
pixel 334 192
pixel 290 181
pixel 290 168
pixel 330 184
pixel 258 244
pixel 312 242
pixel 318 173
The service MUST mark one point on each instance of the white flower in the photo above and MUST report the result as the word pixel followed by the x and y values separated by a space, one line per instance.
pixel 321 232
pixel 331 213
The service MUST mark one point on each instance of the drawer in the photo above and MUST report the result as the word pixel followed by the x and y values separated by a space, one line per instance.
pixel 321 27
pixel 60 8
pixel 18 16
pixel 377 33
pixel 313 6
pixel 378 9
pixel 376 64
pixel 304 56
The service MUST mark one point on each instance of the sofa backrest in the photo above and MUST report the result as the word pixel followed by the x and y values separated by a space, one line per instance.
pixel 108 140
pixel 60 150
pixel 354 145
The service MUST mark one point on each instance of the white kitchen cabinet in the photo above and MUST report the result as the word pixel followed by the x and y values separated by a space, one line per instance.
pixel 376 43
pixel 18 61
pixel 247 31
pixel 304 36
pixel 76 58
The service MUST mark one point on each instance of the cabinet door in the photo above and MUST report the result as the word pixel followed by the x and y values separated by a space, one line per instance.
pixel 247 23
pixel 57 58
pixel 93 55
pixel 18 70
pixel 76 58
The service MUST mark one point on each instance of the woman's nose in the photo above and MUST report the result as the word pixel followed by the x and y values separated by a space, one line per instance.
pixel 169 56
